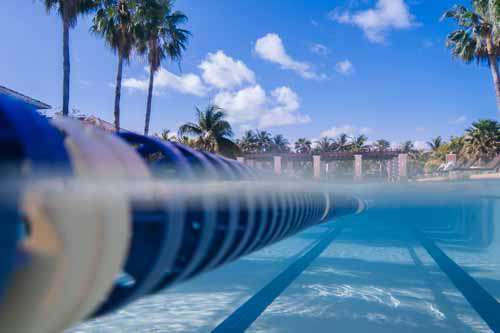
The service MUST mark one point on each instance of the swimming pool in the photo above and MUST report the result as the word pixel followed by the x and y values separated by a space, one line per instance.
pixel 423 257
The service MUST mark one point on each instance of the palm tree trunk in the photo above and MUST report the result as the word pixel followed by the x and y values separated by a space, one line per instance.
pixel 118 91
pixel 492 57
pixel 66 67
pixel 150 97
pixel 496 78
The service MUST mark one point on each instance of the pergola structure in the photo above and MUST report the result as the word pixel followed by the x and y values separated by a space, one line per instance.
pixel 395 161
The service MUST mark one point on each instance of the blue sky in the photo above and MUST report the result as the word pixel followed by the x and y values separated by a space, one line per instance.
pixel 304 69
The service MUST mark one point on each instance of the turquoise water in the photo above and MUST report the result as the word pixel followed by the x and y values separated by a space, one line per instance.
pixel 423 257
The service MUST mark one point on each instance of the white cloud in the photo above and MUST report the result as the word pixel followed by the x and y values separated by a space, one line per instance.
pixel 271 48
pixel 459 120
pixel 350 130
pixel 284 112
pixel 244 105
pixel 377 22
pixel 253 107
pixel 320 49
pixel 223 72
pixel 344 67
pixel 189 84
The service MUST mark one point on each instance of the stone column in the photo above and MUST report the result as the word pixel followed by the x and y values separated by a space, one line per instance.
pixel 358 168
pixel 240 159
pixel 317 166
pixel 277 165
pixel 389 170
pixel 403 166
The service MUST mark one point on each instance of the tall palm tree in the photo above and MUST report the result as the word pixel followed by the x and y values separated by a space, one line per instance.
pixel 482 140
pixel 280 144
pixel 478 38
pixel 358 143
pixel 69 10
pixel 161 38
pixel 382 145
pixel 114 21
pixel 435 143
pixel 211 131
pixel 303 146
pixel 264 141
pixel 248 142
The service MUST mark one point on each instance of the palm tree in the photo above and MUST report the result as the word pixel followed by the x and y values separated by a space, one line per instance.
pixel 324 145
pixel 435 143
pixel 114 21
pixel 482 140
pixel 478 38
pixel 248 142
pixel 161 38
pixel 263 140
pixel 303 146
pixel 342 142
pixel 408 147
pixel 69 10
pixel 382 145
pixel 165 135
pixel 211 131
pixel 358 143
pixel 280 144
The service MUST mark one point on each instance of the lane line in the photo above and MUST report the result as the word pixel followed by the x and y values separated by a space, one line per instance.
pixel 441 300
pixel 241 319
pixel 480 300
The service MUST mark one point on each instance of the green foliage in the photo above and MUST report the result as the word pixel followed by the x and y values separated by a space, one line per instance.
pixel 69 10
pixel 303 146
pixel 211 131
pixel 482 140
pixel 115 22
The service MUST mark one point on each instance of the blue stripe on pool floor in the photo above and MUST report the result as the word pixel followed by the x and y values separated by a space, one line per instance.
pixel 241 319
pixel 480 300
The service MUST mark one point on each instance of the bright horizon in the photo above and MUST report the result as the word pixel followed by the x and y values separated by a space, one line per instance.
pixel 317 69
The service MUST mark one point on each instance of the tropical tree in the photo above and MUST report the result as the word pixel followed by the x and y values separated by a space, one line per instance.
pixel 69 10
pixel 161 38
pixel 478 38
pixel 482 140
pixel 303 146
pixel 211 131
pixel 248 142
pixel 324 145
pixel 358 143
pixel 408 147
pixel 115 22
pixel 165 135
pixel 280 144
pixel 435 143
pixel 263 141
pixel 342 142
pixel 382 145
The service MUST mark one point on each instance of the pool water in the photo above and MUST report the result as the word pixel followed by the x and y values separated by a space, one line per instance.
pixel 422 258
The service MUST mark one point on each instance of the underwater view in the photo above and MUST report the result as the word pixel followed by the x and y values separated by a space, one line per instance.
pixel 420 258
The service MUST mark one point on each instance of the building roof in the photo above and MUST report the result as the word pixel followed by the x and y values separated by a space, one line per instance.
pixel 36 103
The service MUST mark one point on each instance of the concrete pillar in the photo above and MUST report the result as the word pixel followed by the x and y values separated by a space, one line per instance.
pixel 358 168
pixel 389 170
pixel 240 159
pixel 277 165
pixel 317 166
pixel 403 166
pixel 451 158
